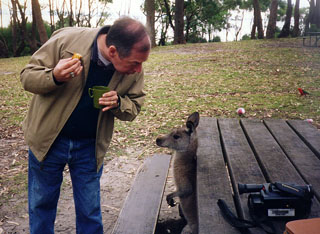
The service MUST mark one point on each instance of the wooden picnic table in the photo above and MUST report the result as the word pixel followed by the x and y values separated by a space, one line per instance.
pixel 252 151
pixel 313 37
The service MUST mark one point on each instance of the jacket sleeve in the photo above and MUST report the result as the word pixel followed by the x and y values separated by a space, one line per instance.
pixel 131 103
pixel 37 76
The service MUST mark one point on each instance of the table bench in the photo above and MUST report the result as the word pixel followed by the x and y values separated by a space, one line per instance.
pixel 251 151
pixel 140 211
pixel 312 38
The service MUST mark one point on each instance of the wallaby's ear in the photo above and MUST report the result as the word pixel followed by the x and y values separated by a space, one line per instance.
pixel 193 121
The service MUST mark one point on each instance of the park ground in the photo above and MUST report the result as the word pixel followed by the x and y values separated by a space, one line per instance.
pixel 215 79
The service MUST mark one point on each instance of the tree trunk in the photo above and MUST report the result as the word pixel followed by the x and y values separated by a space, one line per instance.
pixel 89 15
pixel 150 9
pixel 1 23
pixel 253 30
pixel 51 12
pixel 239 30
pixel 164 30
pixel 271 28
pixel 312 12
pixel 257 20
pixel 166 4
pixel 285 32
pixel 14 26
pixel 4 51
pixel 60 13
pixel 40 25
pixel 310 19
pixel 296 30
pixel 78 13
pixel 317 15
pixel 179 22
pixel 71 14
pixel 22 29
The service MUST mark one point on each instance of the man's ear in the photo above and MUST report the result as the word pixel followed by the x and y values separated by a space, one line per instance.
pixel 112 51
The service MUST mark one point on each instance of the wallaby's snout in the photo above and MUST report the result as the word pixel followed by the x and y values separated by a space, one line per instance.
pixel 159 141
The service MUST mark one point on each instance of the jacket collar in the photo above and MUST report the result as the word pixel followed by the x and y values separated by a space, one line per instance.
pixel 96 56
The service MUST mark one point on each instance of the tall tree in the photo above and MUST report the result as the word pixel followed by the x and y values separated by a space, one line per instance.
pixel 78 14
pixel 33 38
pixel 1 23
pixel 317 14
pixel 39 22
pixel 60 13
pixel 179 22
pixel 150 9
pixel 296 30
pixel 257 21
pixel 51 13
pixel 285 32
pixel 71 14
pixel 164 17
pixel 238 29
pixel 310 18
pixel 19 28
pixel 271 28
pixel 14 26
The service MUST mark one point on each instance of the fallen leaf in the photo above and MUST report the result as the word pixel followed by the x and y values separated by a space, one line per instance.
pixel 12 222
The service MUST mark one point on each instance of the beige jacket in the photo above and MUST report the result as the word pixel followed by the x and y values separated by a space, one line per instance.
pixel 52 105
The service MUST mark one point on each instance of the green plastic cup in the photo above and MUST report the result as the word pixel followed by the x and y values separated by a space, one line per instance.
pixel 96 92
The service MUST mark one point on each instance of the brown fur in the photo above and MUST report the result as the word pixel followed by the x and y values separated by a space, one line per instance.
pixel 184 142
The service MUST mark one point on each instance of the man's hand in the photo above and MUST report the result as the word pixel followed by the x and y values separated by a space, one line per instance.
pixel 66 69
pixel 109 99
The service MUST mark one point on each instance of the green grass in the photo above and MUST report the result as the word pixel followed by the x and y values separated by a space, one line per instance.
pixel 13 99
pixel 217 78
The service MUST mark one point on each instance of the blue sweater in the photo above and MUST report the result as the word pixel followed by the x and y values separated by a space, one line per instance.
pixel 83 120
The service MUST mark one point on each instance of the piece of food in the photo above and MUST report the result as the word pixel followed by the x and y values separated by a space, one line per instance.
pixel 76 55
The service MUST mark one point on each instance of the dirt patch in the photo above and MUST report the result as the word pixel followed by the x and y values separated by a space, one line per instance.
pixel 118 175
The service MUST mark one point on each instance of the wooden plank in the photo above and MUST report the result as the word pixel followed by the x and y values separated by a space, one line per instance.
pixel 276 164
pixel 304 160
pixel 308 133
pixel 212 180
pixel 141 208
pixel 242 163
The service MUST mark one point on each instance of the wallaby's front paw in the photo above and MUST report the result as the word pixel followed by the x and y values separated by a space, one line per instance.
pixel 170 200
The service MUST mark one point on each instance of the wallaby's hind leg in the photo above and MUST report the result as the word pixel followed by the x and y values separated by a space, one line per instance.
pixel 186 230
pixel 189 209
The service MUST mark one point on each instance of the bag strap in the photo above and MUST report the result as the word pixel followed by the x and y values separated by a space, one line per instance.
pixel 232 219
pixel 242 224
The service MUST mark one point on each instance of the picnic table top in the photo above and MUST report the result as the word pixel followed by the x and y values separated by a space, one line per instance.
pixel 252 151
pixel 313 33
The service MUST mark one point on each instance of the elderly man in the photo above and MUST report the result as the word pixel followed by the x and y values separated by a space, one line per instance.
pixel 62 126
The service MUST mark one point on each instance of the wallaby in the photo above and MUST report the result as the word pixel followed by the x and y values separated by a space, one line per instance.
pixel 184 142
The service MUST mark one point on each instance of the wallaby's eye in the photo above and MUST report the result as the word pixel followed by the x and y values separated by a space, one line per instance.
pixel 175 136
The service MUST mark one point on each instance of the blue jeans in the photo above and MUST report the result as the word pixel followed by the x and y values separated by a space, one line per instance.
pixel 45 179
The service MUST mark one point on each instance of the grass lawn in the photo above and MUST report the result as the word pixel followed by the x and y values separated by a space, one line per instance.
pixel 215 79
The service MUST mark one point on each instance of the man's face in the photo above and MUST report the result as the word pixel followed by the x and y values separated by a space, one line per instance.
pixel 131 64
